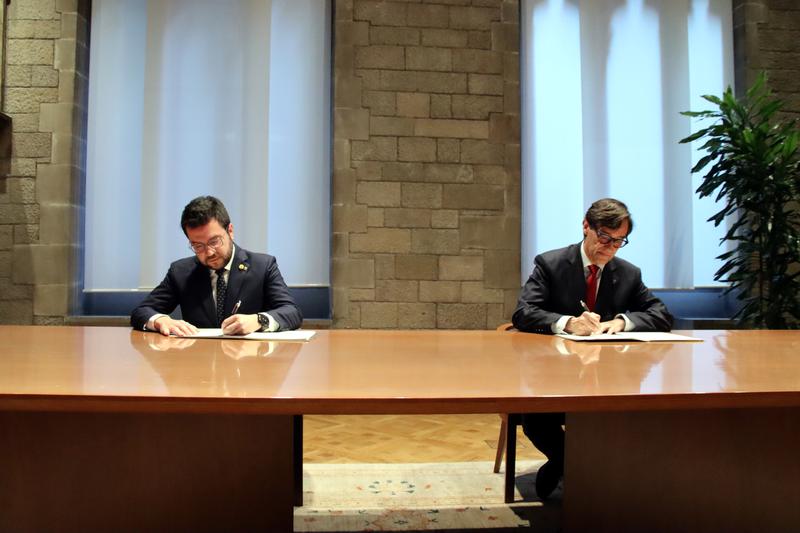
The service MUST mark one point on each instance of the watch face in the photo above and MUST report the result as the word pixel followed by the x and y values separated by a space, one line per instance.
pixel 263 320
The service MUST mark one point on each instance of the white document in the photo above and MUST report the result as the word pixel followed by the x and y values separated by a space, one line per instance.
pixel 216 333
pixel 645 336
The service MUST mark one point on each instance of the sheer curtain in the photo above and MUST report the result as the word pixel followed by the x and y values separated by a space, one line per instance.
pixel 192 97
pixel 602 86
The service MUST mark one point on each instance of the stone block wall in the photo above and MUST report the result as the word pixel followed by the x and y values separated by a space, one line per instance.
pixel 426 155
pixel 767 37
pixel 426 181
pixel 40 205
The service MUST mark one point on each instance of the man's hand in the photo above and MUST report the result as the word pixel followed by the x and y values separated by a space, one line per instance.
pixel 586 324
pixel 613 326
pixel 240 324
pixel 168 326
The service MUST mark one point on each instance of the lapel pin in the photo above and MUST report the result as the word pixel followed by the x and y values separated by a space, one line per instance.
pixel 242 267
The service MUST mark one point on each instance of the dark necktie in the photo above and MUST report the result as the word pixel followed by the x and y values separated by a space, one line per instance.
pixel 591 287
pixel 222 288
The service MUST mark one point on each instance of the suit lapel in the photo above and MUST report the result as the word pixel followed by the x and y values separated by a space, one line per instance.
pixel 575 280
pixel 240 271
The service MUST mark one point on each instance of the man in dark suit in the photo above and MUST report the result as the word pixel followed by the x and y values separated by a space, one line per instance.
pixel 221 286
pixel 583 289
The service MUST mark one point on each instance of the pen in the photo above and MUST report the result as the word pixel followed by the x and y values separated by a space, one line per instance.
pixel 236 307
pixel 586 308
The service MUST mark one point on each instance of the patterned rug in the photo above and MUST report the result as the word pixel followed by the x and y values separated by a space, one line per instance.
pixel 420 497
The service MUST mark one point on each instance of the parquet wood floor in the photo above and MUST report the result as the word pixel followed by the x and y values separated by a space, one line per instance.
pixel 405 439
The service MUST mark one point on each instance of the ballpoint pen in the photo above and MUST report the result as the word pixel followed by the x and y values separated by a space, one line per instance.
pixel 236 307
pixel 586 308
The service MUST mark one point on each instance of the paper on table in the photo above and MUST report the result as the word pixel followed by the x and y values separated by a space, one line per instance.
pixel 216 333
pixel 645 336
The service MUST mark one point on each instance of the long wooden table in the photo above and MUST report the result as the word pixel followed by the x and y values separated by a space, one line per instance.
pixel 113 429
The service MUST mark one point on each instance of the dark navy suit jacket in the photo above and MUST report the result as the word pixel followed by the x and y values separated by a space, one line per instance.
pixel 254 279
pixel 557 285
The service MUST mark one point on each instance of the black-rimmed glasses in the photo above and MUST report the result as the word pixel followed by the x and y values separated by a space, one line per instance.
pixel 605 238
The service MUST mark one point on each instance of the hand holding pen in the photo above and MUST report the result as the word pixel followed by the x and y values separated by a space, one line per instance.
pixel 240 324
pixel 592 320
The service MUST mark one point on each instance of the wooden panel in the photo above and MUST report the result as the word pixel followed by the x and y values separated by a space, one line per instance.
pixel 131 472
pixel 730 470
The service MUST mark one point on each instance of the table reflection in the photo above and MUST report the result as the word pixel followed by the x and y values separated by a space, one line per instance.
pixel 569 367
pixel 767 360
pixel 212 367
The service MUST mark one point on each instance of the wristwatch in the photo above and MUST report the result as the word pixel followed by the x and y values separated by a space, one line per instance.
pixel 263 321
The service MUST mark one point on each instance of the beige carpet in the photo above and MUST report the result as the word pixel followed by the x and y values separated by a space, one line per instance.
pixel 419 497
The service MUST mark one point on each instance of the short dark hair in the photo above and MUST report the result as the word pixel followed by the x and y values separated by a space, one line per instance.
pixel 609 213
pixel 201 210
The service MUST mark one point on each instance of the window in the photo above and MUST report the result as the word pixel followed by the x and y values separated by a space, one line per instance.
pixel 603 83
pixel 191 97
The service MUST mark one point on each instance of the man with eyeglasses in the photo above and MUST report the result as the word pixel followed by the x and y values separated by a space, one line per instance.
pixel 221 286
pixel 584 289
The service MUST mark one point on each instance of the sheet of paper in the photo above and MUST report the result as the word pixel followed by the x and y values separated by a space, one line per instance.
pixel 216 333
pixel 645 336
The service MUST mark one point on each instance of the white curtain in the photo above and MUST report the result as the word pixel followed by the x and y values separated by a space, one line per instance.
pixel 603 83
pixel 192 97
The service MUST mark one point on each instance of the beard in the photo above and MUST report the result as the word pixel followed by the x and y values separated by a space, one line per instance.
pixel 220 259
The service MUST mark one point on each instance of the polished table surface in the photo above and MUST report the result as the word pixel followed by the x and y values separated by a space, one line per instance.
pixel 374 371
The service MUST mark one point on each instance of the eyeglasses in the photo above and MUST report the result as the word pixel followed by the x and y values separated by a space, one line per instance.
pixel 214 242
pixel 605 238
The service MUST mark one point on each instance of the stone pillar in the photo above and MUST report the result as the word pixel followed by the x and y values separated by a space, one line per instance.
pixel 46 91
pixel 426 192
pixel 767 38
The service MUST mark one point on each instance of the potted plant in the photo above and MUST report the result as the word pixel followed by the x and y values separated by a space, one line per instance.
pixel 753 167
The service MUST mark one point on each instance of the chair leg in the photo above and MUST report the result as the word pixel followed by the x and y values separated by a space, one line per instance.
pixel 297 452
pixel 501 443
pixel 511 457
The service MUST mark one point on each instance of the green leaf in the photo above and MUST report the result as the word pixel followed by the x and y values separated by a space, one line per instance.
pixel 770 108
pixel 694 136
pixel 703 162
pixel 699 113
pixel 757 86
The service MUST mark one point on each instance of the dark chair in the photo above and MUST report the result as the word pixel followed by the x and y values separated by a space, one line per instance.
pixel 507 442
pixel 297 456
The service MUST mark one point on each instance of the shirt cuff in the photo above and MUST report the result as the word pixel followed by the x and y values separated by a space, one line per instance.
pixel 150 325
pixel 273 324
pixel 560 324
pixel 628 323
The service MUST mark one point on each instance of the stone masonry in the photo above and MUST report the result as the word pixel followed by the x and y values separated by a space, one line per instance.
pixel 426 155
pixel 45 94
pixel 426 188
pixel 767 38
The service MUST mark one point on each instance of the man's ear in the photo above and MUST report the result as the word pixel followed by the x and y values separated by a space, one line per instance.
pixel 230 230
pixel 585 227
